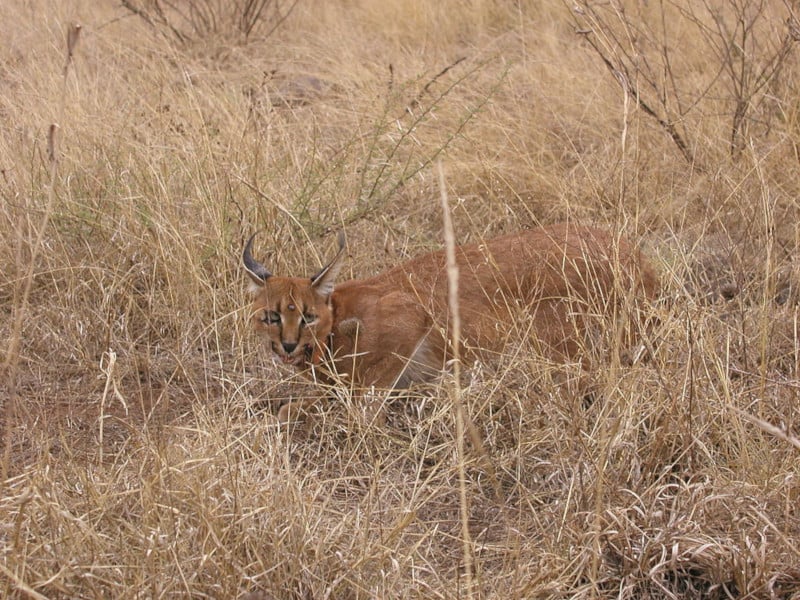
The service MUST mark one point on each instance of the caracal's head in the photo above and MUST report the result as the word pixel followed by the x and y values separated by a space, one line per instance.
pixel 293 313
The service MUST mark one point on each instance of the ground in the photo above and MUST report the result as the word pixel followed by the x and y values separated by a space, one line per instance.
pixel 141 457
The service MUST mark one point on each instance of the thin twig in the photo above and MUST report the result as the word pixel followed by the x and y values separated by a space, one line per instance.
pixel 418 99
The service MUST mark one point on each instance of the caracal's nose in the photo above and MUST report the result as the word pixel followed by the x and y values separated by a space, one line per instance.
pixel 289 347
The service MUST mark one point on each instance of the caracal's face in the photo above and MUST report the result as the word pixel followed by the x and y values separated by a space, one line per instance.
pixel 293 318
pixel 293 313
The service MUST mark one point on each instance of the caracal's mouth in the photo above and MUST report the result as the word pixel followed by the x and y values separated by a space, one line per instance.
pixel 297 358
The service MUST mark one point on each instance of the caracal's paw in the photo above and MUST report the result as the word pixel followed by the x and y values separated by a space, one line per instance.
pixel 294 412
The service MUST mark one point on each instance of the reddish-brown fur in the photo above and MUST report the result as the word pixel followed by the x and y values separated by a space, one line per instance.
pixel 391 330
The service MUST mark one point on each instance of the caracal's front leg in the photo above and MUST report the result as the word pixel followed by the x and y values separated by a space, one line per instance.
pixel 369 403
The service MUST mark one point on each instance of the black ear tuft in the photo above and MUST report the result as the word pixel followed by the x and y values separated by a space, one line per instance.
pixel 257 272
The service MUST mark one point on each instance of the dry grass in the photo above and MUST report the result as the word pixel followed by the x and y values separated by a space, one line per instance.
pixel 139 456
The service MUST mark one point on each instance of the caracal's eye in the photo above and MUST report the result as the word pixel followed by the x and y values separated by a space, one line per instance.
pixel 308 319
pixel 272 317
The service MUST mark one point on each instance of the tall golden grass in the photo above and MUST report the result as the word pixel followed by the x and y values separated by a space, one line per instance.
pixel 139 456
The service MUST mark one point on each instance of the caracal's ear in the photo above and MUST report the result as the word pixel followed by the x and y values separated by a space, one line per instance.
pixel 257 272
pixel 324 281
